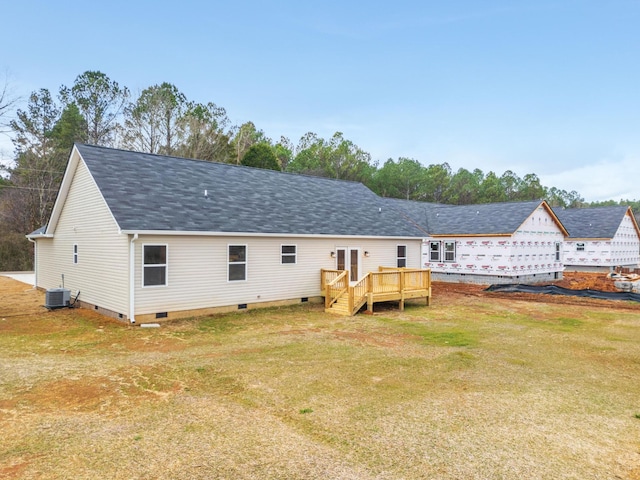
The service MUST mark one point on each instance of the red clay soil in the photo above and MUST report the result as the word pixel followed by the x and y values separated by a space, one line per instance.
pixel 571 280
pixel 583 280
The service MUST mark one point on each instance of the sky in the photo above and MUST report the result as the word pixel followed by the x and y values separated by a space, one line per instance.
pixel 550 87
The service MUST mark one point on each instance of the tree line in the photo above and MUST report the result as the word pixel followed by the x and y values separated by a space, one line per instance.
pixel 162 120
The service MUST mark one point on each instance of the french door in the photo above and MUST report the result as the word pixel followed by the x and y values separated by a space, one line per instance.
pixel 348 258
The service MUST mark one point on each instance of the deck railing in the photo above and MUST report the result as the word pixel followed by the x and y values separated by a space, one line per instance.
pixel 358 293
pixel 403 279
pixel 327 275
pixel 385 281
pixel 335 287
pixel 389 283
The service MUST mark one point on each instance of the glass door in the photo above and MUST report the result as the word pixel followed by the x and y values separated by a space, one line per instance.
pixel 348 258
pixel 355 259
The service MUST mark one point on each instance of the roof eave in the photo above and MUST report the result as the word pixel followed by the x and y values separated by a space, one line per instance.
pixel 550 211
pixel 39 235
pixel 438 235
pixel 271 235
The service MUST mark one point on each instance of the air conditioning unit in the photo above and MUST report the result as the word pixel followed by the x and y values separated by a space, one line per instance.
pixel 57 298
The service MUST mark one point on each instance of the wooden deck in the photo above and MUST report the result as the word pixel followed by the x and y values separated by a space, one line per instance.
pixel 385 285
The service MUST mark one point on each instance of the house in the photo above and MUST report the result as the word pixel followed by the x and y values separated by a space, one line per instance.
pixel 600 238
pixel 144 237
pixel 511 242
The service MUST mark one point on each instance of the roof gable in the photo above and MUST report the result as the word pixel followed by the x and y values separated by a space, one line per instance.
pixel 478 219
pixel 148 192
pixel 595 222
pixel 74 163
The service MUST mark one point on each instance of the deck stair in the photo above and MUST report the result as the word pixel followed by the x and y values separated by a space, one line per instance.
pixel 341 305
pixel 388 284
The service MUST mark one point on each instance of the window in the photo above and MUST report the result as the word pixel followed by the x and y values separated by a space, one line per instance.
pixel 449 251
pixel 434 251
pixel 580 247
pixel 288 254
pixel 402 256
pixel 75 253
pixel 557 251
pixel 154 265
pixel 237 263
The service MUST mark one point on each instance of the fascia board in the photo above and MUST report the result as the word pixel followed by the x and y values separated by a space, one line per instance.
pixel 258 235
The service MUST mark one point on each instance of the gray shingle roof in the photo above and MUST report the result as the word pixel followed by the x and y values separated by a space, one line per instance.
pixel 155 192
pixel 596 222
pixel 482 219
pixel 39 231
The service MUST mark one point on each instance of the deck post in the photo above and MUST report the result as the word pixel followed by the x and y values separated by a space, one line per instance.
pixel 402 279
pixel 327 296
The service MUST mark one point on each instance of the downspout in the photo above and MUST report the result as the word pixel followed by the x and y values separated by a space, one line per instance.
pixel 132 279
pixel 35 262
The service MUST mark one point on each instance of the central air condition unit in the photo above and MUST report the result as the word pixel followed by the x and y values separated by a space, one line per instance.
pixel 57 298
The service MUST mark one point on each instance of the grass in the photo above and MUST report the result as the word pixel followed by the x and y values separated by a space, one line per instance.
pixel 480 387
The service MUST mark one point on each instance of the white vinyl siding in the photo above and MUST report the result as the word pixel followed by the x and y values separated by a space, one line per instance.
pixel 199 270
pixel 101 275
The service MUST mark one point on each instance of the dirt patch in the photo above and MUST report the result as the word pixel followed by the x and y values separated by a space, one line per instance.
pixel 83 394
pixel 587 280
pixel 571 280
pixel 17 298
pixel 13 471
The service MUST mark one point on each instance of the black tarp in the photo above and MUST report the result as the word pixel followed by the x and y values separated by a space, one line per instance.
pixel 554 290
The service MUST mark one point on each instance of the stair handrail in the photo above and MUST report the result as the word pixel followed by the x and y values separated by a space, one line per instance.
pixel 358 293
pixel 329 297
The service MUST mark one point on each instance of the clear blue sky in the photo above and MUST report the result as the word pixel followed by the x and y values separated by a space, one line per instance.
pixel 550 87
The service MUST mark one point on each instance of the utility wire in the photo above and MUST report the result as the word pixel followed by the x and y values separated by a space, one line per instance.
pixel 2 187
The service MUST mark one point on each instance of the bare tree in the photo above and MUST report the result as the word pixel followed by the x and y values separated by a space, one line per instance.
pixel 153 123
pixel 101 102
pixel 8 100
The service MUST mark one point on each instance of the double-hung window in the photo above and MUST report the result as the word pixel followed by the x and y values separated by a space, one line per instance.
pixel 449 251
pixel 75 253
pixel 580 247
pixel 402 256
pixel 288 254
pixel 154 265
pixel 237 257
pixel 434 251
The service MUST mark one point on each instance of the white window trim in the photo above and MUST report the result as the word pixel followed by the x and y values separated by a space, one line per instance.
pixel 581 246
pixel 399 257
pixel 75 254
pixel 294 255
pixel 245 263
pixel 165 265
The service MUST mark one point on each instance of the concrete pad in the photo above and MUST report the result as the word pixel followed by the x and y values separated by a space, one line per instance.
pixel 24 277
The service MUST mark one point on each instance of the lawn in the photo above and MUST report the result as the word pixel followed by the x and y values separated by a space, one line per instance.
pixel 476 386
